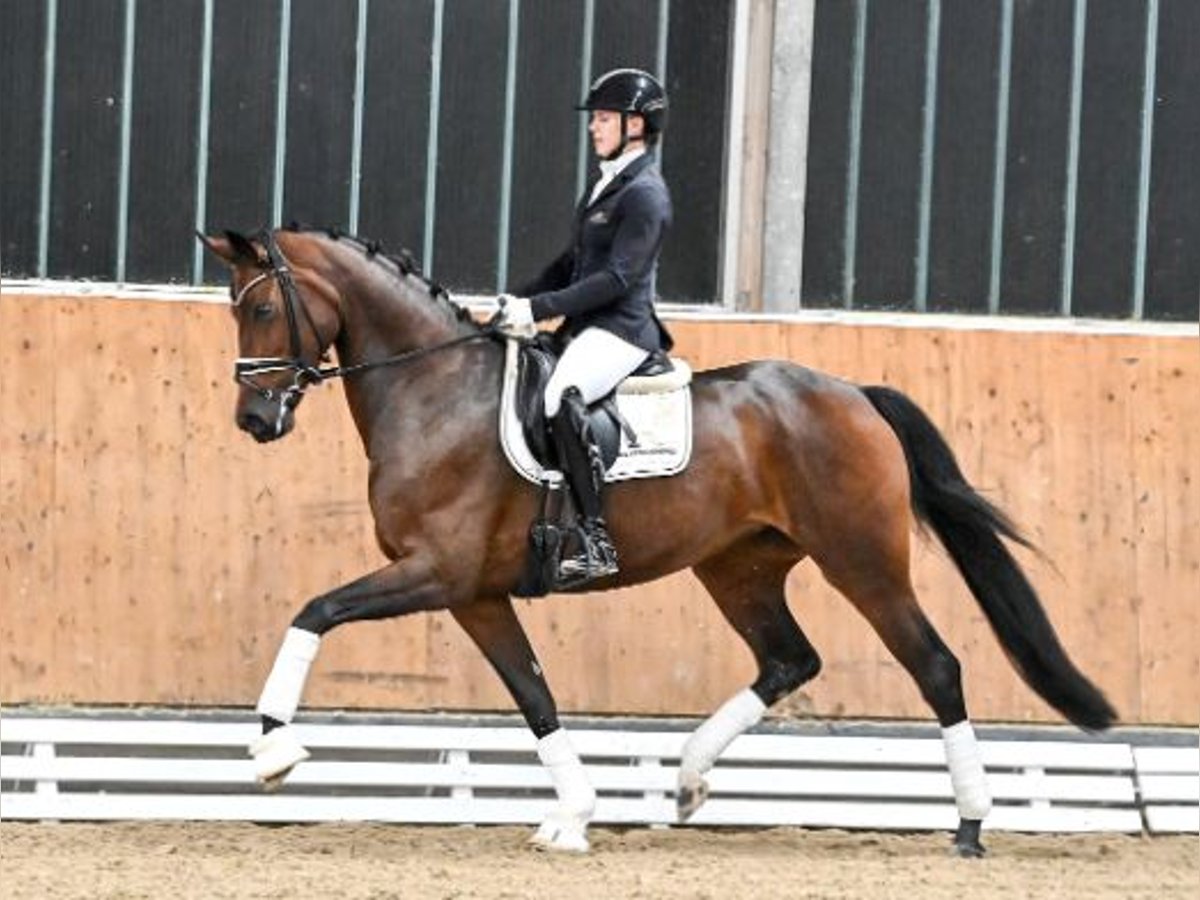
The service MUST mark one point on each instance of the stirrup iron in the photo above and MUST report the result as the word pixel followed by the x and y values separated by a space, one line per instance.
pixel 596 558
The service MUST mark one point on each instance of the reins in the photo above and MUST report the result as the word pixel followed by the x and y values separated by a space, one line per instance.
pixel 485 331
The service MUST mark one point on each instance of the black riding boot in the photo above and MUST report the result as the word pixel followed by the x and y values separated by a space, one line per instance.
pixel 583 468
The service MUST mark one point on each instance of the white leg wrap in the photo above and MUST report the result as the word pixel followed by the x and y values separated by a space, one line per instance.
pixel 278 751
pixel 966 771
pixel 565 828
pixel 281 693
pixel 740 712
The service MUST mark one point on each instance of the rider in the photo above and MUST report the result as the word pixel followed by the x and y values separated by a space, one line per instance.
pixel 603 286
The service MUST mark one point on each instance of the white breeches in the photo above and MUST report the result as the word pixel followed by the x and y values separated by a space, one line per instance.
pixel 595 362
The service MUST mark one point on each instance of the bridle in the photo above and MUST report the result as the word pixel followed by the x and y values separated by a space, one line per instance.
pixel 245 368
pixel 305 374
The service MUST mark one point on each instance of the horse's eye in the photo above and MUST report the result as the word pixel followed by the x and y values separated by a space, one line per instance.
pixel 263 311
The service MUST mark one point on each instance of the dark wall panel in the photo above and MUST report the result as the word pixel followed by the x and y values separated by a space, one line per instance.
pixel 1039 112
pixel 240 172
pixel 1109 156
pixel 86 149
pixel 625 34
pixel 22 45
pixel 960 225
pixel 241 139
pixel 1173 242
pixel 546 138
pixel 320 112
pixel 470 144
pixel 828 149
pixel 889 175
pixel 693 157
pixel 396 123
pixel 166 102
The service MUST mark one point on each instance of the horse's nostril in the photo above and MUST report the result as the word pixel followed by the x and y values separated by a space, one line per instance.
pixel 253 424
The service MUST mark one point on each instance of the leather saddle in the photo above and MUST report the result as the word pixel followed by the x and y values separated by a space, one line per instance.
pixel 535 364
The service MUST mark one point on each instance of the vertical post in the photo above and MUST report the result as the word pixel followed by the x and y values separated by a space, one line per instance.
pixel 1039 790
pixel 1144 160
pixel 933 26
pixel 1070 205
pixel 431 151
pixel 506 163
pixel 360 82
pixel 46 789
pixel 787 152
pixel 126 138
pixel 201 220
pixel 663 38
pixel 735 156
pixel 745 224
pixel 999 172
pixel 850 222
pixel 660 61
pixel 459 762
pixel 47 170
pixel 585 81
pixel 655 799
pixel 281 98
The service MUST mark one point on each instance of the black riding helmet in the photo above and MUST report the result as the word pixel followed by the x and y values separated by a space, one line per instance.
pixel 630 91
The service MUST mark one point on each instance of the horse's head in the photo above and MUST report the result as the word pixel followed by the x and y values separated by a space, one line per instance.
pixel 287 317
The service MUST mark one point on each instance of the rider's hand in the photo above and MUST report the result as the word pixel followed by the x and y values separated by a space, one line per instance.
pixel 515 316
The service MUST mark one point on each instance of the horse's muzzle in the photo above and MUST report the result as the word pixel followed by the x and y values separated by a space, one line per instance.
pixel 265 421
pixel 262 430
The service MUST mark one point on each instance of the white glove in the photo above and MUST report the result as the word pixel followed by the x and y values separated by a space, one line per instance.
pixel 516 316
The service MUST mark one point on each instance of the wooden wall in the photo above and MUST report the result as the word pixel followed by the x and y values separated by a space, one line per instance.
pixel 152 554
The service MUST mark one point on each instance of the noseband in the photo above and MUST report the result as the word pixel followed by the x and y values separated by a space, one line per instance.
pixel 245 368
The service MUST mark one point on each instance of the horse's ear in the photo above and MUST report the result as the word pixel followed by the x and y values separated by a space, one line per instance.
pixel 232 248
pixel 243 249
pixel 219 247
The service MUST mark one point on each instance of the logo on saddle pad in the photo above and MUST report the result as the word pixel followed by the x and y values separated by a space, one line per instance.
pixel 653 440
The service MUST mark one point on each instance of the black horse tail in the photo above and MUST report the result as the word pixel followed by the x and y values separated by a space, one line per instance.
pixel 970 528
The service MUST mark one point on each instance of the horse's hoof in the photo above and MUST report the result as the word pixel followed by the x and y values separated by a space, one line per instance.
pixel 273 783
pixel 969 851
pixel 966 840
pixel 560 837
pixel 693 791
pixel 275 754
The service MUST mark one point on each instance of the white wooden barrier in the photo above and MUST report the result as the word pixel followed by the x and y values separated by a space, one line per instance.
pixel 1169 787
pixel 104 769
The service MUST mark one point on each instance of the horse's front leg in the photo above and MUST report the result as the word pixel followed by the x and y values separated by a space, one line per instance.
pixel 493 626
pixel 402 587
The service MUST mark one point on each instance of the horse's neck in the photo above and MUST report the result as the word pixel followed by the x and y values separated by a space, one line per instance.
pixel 383 317
pixel 391 403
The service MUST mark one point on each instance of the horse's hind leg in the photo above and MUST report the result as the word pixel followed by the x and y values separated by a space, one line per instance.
pixel 495 629
pixel 871 570
pixel 747 582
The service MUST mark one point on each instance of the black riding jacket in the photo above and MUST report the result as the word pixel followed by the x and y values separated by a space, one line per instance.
pixel 605 279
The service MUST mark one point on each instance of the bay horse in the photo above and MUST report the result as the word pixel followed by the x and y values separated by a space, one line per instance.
pixel 787 463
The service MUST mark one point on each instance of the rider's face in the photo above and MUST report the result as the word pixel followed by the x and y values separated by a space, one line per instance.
pixel 605 128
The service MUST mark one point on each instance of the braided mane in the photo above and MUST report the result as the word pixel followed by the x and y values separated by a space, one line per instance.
pixel 403 261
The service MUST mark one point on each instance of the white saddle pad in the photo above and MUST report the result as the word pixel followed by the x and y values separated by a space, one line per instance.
pixel 662 421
